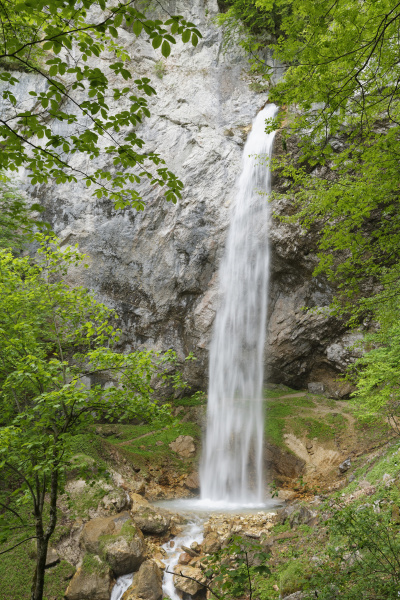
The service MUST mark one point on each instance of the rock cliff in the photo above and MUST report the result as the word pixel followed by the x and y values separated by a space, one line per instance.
pixel 159 268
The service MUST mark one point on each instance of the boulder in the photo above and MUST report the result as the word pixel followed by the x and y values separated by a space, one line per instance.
pixel 125 552
pixel 97 528
pixel 184 446
pixel 118 541
pixel 191 580
pixel 303 516
pixel 150 520
pixel 92 584
pixel 147 583
pixel 211 543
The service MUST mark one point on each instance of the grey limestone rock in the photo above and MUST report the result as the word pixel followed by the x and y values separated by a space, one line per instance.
pixel 159 268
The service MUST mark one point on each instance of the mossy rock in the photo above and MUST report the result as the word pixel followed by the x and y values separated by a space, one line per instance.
pixel 117 541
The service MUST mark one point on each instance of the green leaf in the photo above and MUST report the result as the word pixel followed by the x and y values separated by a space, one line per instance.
pixel 137 27
pixel 166 49
pixel 186 36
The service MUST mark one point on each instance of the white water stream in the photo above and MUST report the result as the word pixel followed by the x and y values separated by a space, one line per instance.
pixel 193 532
pixel 231 471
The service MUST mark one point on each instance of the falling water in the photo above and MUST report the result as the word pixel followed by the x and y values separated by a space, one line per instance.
pixel 231 470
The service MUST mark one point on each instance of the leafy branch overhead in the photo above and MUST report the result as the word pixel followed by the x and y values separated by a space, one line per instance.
pixel 80 112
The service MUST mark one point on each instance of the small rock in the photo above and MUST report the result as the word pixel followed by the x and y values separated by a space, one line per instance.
pixel 352 478
pixel 286 494
pixel 195 546
pixel 345 465
pixel 138 499
pixel 52 558
pixel 184 446
pixel 316 387
pixel 184 558
pixel 188 586
pixel 192 553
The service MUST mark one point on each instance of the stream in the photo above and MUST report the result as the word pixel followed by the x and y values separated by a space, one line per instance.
pixel 232 469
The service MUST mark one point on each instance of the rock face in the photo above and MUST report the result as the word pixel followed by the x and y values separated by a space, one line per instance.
pixel 159 268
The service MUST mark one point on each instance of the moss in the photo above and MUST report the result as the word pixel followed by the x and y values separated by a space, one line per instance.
pixel 160 69
pixel 89 497
pixel 275 422
pixel 93 564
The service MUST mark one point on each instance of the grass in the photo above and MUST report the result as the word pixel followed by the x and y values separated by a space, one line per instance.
pixel 279 413
pixel 312 428
pixel 144 451
pixel 198 399
pixel 17 568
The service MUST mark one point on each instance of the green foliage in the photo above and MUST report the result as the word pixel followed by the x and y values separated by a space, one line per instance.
pixel 294 577
pixel 341 113
pixel 234 570
pixel 17 220
pixel 60 43
pixel 363 560
pixel 54 340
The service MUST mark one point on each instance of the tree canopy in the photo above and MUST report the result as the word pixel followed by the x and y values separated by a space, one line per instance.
pixel 340 106
pixel 59 374
pixel 79 113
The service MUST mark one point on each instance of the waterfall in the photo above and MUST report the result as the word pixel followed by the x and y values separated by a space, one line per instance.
pixel 231 469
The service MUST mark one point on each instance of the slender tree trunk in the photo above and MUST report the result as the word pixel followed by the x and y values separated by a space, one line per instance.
pixel 38 582
pixel 44 537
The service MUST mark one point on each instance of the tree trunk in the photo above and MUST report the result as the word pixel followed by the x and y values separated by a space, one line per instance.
pixel 44 537
pixel 38 581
